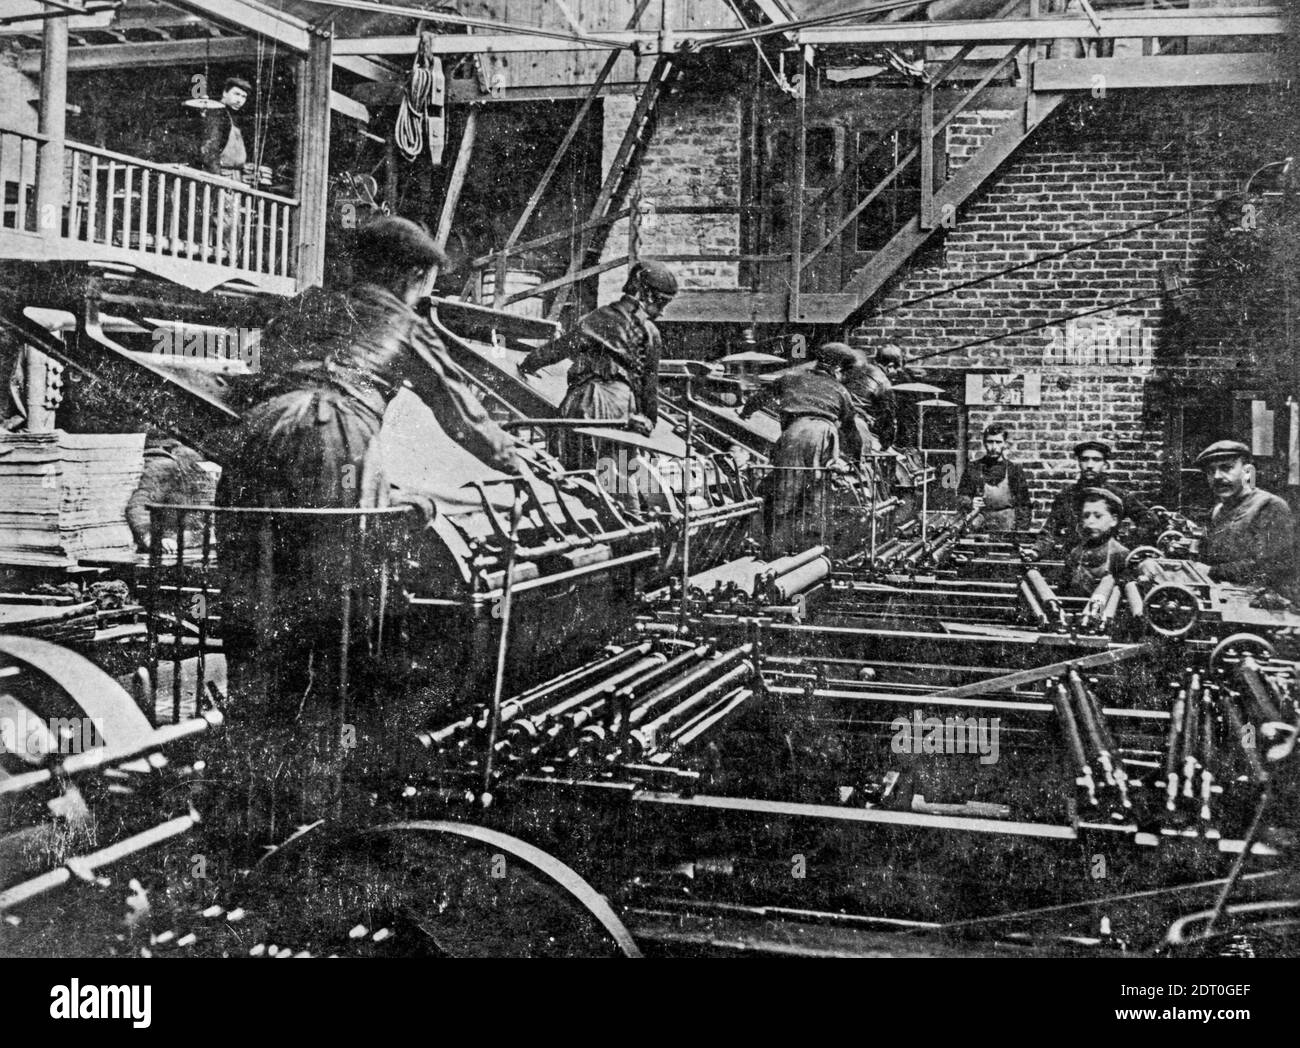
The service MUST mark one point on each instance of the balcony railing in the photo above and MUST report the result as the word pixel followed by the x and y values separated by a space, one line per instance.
pixel 168 211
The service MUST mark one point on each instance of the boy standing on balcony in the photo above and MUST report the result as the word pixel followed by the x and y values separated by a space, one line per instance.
pixel 223 153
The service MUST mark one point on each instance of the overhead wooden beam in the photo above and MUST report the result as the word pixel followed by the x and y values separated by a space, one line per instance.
pixel 153 52
pixel 1085 74
pixel 250 16
pixel 1114 26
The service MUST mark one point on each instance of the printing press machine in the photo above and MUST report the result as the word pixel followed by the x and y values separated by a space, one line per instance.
pixel 673 745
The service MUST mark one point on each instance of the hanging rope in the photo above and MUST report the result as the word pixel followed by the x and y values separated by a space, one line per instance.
pixel 420 116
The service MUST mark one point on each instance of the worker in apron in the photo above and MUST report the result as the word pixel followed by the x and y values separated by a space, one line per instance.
pixel 996 486
pixel 223 153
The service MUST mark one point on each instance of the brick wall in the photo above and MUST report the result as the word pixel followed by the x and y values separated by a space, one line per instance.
pixel 1089 172
pixel 693 159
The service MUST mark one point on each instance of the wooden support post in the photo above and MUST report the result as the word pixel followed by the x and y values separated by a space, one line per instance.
pixel 927 156
pixel 313 156
pixel 796 196
pixel 455 183
pixel 53 118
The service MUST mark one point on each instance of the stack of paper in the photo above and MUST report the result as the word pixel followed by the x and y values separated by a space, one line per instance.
pixel 63 495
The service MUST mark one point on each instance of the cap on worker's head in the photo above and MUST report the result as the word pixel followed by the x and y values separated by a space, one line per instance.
pixel 1101 447
pixel 652 276
pixel 1113 502
pixel 889 354
pixel 390 241
pixel 1223 449
pixel 835 355
pixel 239 82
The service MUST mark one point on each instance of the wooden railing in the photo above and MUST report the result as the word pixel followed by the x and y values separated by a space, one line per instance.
pixel 171 211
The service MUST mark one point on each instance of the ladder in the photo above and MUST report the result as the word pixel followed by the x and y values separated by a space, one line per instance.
pixel 623 173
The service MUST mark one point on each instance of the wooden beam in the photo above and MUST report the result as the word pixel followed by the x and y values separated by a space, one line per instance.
pixel 154 52
pixel 458 175
pixel 927 156
pixel 1114 26
pixel 345 106
pixel 313 160
pixel 1084 74
pixel 1261 21
pixel 252 17
pixel 380 72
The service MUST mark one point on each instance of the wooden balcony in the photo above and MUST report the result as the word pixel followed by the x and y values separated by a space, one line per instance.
pixel 172 221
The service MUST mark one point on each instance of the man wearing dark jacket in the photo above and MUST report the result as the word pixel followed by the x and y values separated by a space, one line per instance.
pixel 997 486
pixel 818 428
pixel 1250 540
pixel 223 153
pixel 222 150
pixel 1061 529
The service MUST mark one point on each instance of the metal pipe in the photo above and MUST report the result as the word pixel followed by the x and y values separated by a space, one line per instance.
pixel 1114 775
pixel 1227 703
pixel 1070 729
pixel 1192 723
pixel 531 725
pixel 1111 610
pixel 664 694
pixel 1176 718
pixel 1103 729
pixel 1207 760
pixel 686 733
pixel 801 578
pixel 1134 597
pixel 1258 699
pixel 645 739
pixel 1045 594
pixel 1097 601
pixel 494 714
pixel 785 565
pixel 1031 602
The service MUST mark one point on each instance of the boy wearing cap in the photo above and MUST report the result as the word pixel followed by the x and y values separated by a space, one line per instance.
pixel 997 486
pixel 1062 524
pixel 1250 539
pixel 1097 553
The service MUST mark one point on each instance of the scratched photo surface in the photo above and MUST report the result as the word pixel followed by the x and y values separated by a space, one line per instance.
pixel 637 478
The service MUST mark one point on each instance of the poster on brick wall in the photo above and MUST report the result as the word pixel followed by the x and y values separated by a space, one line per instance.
pixel 1004 390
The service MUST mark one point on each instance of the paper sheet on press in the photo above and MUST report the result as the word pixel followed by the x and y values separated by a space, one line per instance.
pixel 552 381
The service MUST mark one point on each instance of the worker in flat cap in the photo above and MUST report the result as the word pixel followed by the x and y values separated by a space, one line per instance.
pixel 1061 529
pixel 996 486
pixel 331 364
pixel 819 437
pixel 1250 540
pixel 222 153
pixel 614 374
pixel 1098 552
pixel 312 440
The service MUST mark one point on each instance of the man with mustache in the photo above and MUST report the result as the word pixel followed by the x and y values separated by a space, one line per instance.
pixel 1250 539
